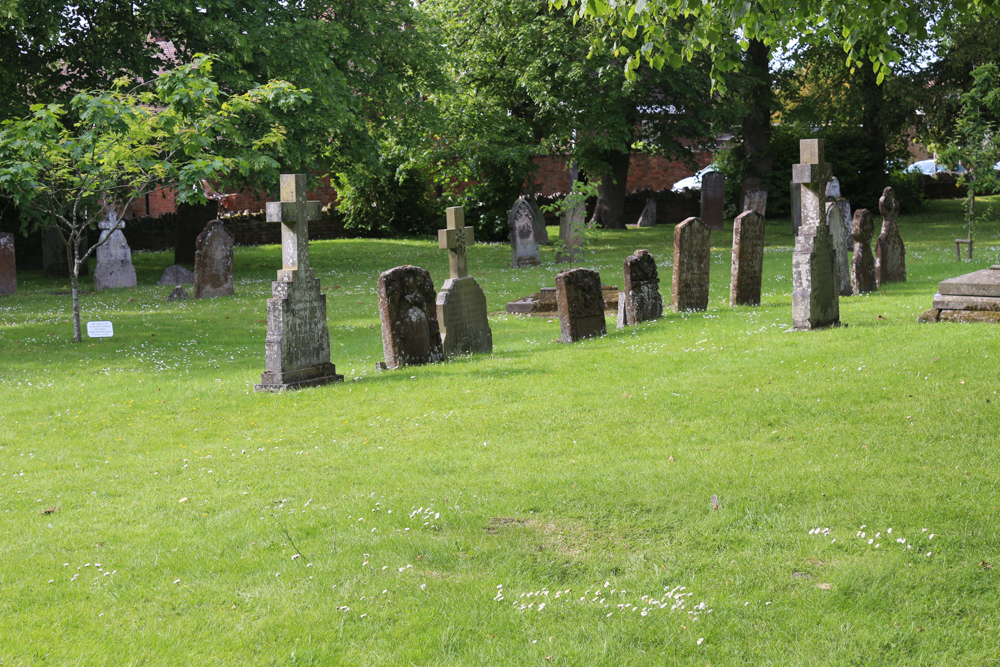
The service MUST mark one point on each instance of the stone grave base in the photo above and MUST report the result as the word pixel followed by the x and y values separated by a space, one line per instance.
pixel 543 303
pixel 974 297
pixel 298 379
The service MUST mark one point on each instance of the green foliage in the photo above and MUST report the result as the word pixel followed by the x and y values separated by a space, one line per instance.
pixel 574 205
pixel 387 201
pixel 909 190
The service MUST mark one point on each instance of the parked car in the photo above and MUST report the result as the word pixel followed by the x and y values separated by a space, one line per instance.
pixel 930 167
pixel 693 182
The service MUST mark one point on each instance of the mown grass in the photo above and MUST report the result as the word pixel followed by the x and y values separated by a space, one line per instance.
pixel 155 510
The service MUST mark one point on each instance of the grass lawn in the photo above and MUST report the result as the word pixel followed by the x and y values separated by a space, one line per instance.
pixel 546 504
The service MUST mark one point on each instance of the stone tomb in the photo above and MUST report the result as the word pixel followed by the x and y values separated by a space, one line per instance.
pixel 863 263
pixel 8 267
pixel 648 216
pixel 461 304
pixel 890 254
pixel 974 297
pixel 297 347
pixel 213 262
pixel 523 234
pixel 406 306
pixel 581 305
pixel 571 226
pixel 748 259
pixel 640 300
pixel 692 258
pixel 840 248
pixel 114 257
pixel 713 197
pixel 815 289
pixel 175 274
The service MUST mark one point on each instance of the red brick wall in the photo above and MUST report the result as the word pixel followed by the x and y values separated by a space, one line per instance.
pixel 646 172
pixel 165 201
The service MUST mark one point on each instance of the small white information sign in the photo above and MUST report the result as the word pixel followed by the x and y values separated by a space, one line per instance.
pixel 100 330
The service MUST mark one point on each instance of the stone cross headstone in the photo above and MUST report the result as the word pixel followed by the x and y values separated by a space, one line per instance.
pixel 406 306
pixel 796 199
pixel 175 274
pixel 863 264
pixel 461 304
pixel 8 267
pixel 713 197
pixel 297 347
pixel 840 249
pixel 114 257
pixel 755 200
pixel 213 262
pixel 648 216
pixel 571 228
pixel 890 254
pixel 640 299
pixel 748 259
pixel 692 258
pixel 815 289
pixel 523 234
pixel 581 305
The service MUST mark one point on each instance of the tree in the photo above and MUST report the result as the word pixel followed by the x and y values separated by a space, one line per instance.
pixel 68 167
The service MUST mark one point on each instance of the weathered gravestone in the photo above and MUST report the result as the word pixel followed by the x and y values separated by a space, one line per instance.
pixel 833 195
pixel 640 300
pixel 8 267
pixel 297 347
pixel 815 290
pixel 571 229
pixel 796 199
pixel 581 305
pixel 863 264
pixel 755 200
pixel 191 220
pixel 713 197
pixel 406 306
pixel 114 257
pixel 178 294
pixel 213 262
pixel 692 258
pixel 175 274
pixel 523 239
pixel 55 263
pixel 648 216
pixel 748 259
pixel 461 304
pixel 974 297
pixel 541 232
pixel 746 185
pixel 890 254
pixel 835 223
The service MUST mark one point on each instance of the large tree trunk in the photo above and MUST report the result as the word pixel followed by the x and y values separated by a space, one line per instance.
pixel 756 124
pixel 610 210
pixel 873 169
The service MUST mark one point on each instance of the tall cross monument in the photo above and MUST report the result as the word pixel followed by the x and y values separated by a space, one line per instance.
pixel 461 304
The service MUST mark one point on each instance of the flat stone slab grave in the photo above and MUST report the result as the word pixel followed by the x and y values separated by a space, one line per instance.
pixel 973 297
pixel 543 302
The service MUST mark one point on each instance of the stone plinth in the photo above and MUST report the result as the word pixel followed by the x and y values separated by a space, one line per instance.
pixel 692 258
pixel 640 299
pixel 407 307
pixel 581 305
pixel 748 259
pixel 213 262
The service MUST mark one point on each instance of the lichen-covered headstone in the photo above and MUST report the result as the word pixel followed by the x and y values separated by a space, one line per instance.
pixel 175 274
pixel 297 347
pixel 863 264
pixel 640 299
pixel 692 258
pixel 648 216
pixel 580 304
pixel 713 196
pixel 755 200
pixel 8 267
pixel 748 259
pixel 114 257
pixel 213 262
pixel 815 288
pixel 406 305
pixel 541 232
pixel 523 234
pixel 840 249
pixel 890 254
pixel 461 304
pixel 571 229
pixel 833 194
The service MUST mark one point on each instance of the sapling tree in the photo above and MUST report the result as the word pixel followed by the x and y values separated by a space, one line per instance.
pixel 69 166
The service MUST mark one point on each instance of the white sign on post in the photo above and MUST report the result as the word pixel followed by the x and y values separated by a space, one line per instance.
pixel 100 330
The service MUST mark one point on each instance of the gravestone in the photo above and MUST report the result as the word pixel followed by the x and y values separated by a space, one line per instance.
pixel 713 197
pixel 890 254
pixel 523 234
pixel 581 305
pixel 297 346
pixel 974 297
pixel 796 199
pixel 8 267
pixel 746 185
pixel 648 216
pixel 836 224
pixel 640 299
pixel 833 195
pixel 863 264
pixel 815 289
pixel 461 304
pixel 191 220
pixel 114 257
pixel 178 294
pixel 748 259
pixel 406 306
pixel 213 262
pixel 571 228
pixel 55 264
pixel 541 232
pixel 692 258
pixel 755 200
pixel 175 274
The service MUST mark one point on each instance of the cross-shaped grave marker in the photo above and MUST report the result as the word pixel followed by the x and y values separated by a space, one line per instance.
pixel 456 238
pixel 813 173
pixel 294 214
